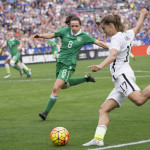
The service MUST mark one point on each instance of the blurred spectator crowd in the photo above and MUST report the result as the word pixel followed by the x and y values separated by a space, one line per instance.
pixel 29 17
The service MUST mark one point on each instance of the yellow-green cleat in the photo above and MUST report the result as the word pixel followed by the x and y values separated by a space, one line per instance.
pixel 89 78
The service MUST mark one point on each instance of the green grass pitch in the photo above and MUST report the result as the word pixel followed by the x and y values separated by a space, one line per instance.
pixel 22 99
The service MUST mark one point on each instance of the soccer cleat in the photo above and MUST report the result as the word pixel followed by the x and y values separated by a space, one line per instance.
pixel 93 143
pixel 28 76
pixel 89 78
pixel 43 115
pixel 7 76
pixel 21 73
pixel 29 71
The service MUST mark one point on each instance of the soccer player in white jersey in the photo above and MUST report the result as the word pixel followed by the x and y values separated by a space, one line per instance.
pixel 122 74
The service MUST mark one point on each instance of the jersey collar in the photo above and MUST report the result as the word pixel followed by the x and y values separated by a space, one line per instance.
pixel 12 39
pixel 76 33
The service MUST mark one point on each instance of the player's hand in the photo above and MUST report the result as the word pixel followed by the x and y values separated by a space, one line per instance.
pixel 144 12
pixel 36 36
pixel 94 68
pixel 19 50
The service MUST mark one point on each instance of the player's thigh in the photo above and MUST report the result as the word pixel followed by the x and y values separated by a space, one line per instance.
pixel 137 98
pixel 59 84
pixel 126 84
pixel 117 96
pixel 65 73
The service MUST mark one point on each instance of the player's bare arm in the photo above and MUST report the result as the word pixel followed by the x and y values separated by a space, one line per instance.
pixel 101 44
pixel 4 45
pixel 19 47
pixel 140 21
pixel 106 62
pixel 2 48
pixel 45 36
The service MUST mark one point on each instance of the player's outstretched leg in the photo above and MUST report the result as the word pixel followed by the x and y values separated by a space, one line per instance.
pixel 79 80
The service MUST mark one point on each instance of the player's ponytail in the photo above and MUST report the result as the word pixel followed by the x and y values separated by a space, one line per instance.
pixel 119 26
pixel 115 19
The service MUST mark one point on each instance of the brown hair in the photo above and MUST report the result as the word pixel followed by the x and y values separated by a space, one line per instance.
pixel 72 18
pixel 115 19
pixel 67 22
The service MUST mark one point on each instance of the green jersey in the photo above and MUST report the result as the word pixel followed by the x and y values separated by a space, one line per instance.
pixel 12 44
pixel 53 43
pixel 71 45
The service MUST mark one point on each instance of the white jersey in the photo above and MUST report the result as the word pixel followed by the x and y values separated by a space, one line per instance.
pixel 121 42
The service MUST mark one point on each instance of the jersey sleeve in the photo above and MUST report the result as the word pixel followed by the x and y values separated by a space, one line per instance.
pixel 115 43
pixel 60 32
pixel 131 34
pixel 89 39
pixel 17 42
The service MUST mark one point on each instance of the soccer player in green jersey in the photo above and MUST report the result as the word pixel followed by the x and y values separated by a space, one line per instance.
pixel 73 39
pixel 53 43
pixel 14 46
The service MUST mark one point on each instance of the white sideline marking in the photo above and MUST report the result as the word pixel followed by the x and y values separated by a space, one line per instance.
pixel 36 80
pixel 122 145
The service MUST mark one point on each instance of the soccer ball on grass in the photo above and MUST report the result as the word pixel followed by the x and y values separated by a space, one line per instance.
pixel 59 136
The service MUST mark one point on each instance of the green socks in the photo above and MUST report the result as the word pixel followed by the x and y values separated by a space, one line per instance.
pixel 76 81
pixel 16 67
pixel 25 71
pixel 51 102
pixel 52 99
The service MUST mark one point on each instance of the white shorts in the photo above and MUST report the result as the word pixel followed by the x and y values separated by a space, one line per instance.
pixel 124 85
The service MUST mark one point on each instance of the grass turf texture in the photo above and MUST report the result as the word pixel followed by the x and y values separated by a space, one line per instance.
pixel 22 99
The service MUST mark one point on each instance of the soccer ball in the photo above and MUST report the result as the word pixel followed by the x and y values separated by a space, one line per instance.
pixel 59 136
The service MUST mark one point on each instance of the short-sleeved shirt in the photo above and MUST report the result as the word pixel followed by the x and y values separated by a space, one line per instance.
pixel 121 42
pixel 52 42
pixel 13 44
pixel 71 45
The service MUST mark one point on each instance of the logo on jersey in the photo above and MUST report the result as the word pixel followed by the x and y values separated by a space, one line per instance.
pixel 79 39
pixel 67 35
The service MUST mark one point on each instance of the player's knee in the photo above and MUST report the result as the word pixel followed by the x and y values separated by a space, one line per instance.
pixel 12 63
pixel 138 102
pixel 56 89
pixel 65 86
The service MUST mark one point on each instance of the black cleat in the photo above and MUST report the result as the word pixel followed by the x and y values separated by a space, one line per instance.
pixel 43 115
pixel 89 78
pixel 28 76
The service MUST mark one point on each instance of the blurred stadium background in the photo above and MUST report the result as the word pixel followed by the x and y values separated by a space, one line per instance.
pixel 28 17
